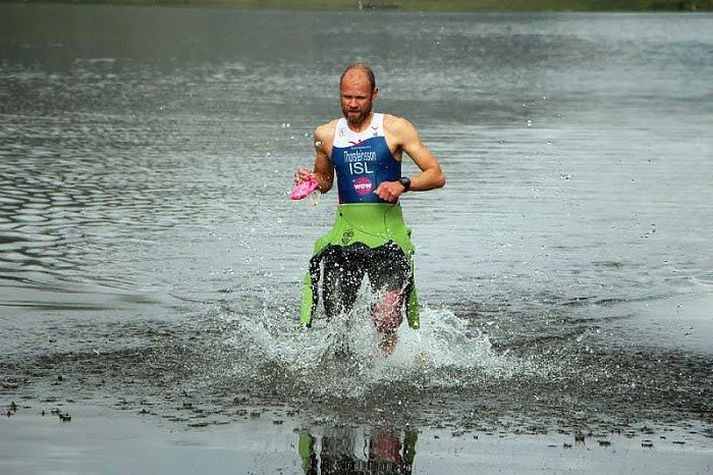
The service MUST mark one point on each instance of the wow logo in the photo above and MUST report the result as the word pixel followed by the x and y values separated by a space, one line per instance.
pixel 362 185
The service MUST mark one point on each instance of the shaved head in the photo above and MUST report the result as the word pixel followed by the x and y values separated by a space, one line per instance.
pixel 359 67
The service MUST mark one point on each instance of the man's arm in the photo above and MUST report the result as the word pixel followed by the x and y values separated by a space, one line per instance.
pixel 408 140
pixel 431 175
pixel 323 170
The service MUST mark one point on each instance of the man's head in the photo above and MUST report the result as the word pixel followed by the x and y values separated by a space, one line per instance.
pixel 357 91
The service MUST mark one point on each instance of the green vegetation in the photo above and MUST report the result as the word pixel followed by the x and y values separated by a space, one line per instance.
pixel 444 5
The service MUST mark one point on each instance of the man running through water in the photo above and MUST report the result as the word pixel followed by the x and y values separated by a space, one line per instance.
pixel 369 235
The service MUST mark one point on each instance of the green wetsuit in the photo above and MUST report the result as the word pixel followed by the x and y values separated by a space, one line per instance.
pixel 375 226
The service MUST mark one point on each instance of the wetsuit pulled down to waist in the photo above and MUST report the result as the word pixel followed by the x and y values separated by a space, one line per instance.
pixel 366 240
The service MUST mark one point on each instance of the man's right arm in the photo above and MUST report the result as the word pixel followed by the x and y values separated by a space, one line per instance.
pixel 323 168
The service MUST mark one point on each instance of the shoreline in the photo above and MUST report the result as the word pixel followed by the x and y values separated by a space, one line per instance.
pixel 101 439
pixel 622 6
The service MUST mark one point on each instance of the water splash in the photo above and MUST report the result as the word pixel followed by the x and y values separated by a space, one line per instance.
pixel 341 358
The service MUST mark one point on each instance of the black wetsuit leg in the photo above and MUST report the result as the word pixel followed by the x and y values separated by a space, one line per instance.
pixel 388 268
pixel 343 274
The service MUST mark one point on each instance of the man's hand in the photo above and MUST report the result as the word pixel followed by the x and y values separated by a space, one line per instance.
pixel 303 174
pixel 390 191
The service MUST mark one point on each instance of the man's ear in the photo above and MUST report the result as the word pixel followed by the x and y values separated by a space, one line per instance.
pixel 375 94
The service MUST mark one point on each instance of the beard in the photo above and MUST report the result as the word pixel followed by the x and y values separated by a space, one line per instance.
pixel 356 117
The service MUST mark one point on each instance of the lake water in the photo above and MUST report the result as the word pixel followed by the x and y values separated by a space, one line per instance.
pixel 150 259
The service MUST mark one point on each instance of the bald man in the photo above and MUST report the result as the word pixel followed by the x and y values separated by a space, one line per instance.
pixel 365 150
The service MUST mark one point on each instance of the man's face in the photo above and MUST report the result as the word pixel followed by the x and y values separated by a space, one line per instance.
pixel 356 97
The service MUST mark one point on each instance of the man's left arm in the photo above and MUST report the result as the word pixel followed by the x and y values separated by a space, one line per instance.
pixel 431 175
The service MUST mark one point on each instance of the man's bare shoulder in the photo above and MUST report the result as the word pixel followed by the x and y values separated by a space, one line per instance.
pixel 397 126
pixel 325 131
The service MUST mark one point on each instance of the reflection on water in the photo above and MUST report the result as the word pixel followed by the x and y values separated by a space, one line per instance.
pixel 358 451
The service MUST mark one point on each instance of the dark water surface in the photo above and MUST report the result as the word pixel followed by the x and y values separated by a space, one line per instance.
pixel 150 259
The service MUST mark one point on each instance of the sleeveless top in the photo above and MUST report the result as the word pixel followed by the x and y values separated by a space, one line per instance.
pixel 362 161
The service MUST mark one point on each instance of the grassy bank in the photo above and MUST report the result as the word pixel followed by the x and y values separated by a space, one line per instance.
pixel 444 5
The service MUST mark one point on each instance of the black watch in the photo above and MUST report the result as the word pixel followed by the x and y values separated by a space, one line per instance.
pixel 406 182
